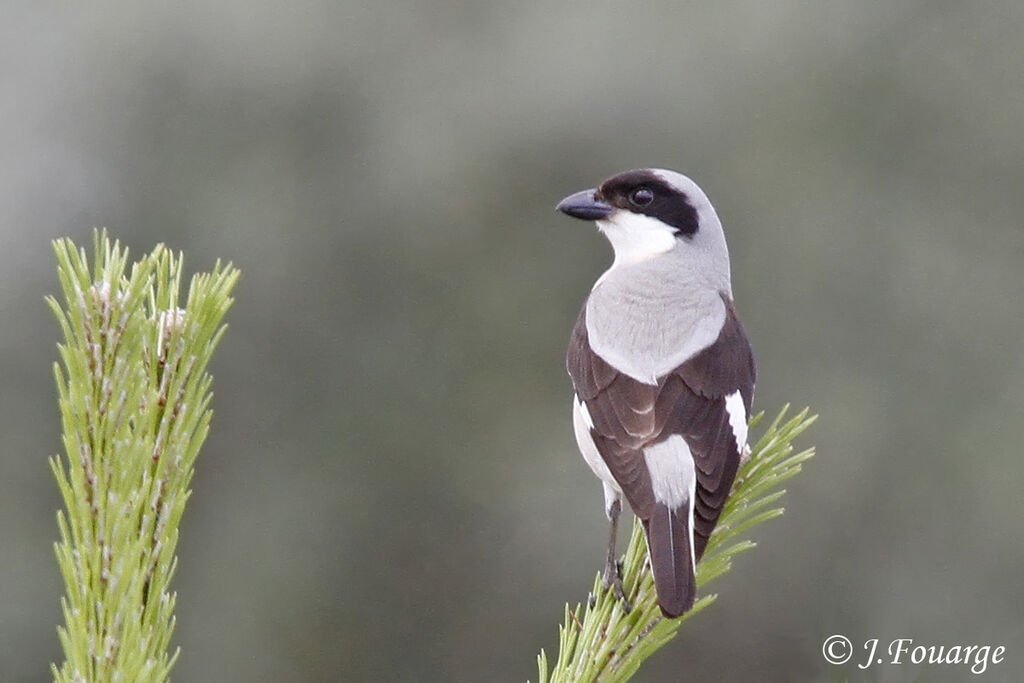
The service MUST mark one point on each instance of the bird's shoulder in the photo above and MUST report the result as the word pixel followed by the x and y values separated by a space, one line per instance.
pixel 725 366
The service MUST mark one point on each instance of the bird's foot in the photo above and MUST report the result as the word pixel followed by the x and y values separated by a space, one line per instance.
pixel 612 578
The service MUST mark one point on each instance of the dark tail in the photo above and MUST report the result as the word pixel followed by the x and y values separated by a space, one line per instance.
pixel 668 541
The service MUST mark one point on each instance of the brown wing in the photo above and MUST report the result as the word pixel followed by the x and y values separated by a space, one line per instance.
pixel 690 401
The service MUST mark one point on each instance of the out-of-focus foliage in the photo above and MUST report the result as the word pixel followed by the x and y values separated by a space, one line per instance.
pixel 393 459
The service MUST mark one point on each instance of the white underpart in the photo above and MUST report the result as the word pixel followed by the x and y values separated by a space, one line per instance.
pixel 673 478
pixel 689 520
pixel 582 424
pixel 635 237
pixel 737 412
pixel 584 412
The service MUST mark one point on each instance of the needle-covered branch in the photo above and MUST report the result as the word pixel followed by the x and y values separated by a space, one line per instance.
pixel 134 400
pixel 604 643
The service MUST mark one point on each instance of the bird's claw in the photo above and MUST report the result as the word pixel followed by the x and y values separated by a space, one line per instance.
pixel 612 578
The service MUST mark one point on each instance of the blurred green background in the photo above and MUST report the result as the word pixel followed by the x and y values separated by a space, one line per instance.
pixel 391 491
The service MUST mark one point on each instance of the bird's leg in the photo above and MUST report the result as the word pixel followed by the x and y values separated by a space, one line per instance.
pixel 612 576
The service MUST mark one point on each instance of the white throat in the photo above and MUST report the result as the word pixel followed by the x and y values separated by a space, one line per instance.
pixel 636 237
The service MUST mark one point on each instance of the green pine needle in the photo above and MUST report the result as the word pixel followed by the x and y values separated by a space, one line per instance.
pixel 603 643
pixel 134 399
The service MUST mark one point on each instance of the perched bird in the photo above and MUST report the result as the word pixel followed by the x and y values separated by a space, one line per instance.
pixel 662 370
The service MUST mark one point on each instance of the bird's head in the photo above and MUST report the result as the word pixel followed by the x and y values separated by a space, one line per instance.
pixel 648 212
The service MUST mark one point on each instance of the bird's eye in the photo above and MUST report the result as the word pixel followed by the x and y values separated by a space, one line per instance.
pixel 642 196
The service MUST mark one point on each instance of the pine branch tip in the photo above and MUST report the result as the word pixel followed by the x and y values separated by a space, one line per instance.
pixel 612 659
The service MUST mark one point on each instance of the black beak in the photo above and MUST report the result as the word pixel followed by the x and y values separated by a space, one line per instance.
pixel 583 205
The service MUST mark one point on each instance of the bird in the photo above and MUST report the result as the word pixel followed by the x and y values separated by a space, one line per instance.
pixel 662 371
